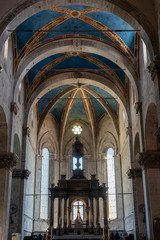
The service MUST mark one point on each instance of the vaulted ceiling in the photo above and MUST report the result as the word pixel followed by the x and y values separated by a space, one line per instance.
pixel 75 101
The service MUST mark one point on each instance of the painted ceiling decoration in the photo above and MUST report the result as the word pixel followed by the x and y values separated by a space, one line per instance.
pixel 74 21
pixel 71 102
pixel 61 63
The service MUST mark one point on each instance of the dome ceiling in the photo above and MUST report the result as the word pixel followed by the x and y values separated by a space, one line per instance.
pixel 75 101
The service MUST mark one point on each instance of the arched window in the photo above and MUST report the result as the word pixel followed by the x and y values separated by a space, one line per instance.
pixel 75 161
pixel 78 208
pixel 111 184
pixel 44 184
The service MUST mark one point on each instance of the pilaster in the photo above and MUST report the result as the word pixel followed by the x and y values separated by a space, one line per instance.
pixel 150 164
pixel 7 162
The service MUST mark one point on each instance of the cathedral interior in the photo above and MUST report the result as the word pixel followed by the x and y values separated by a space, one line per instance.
pixel 80 119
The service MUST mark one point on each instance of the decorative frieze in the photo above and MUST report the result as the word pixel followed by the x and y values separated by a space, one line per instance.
pixel 138 107
pixel 149 159
pixel 157 134
pixel 8 160
pixel 154 67
pixel 13 107
pixel 20 173
pixel 134 173
pixel 26 131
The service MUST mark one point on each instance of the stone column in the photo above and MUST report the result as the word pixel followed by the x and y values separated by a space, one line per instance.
pixel 150 164
pixel 136 177
pixel 7 161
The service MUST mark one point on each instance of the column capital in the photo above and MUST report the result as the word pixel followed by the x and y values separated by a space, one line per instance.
pixel 134 173
pixel 14 107
pixel 138 107
pixel 149 159
pixel 20 173
pixel 157 134
pixel 8 160
pixel 154 67
pixel 26 131
pixel 128 131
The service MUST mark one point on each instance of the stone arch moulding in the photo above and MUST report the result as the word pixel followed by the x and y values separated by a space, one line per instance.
pixel 47 138
pixel 151 125
pixel 127 11
pixel 104 145
pixel 3 131
pixel 83 45
pixel 69 79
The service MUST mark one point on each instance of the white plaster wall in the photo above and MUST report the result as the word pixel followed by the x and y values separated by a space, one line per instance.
pixel 29 191
pixel 126 165
pixel 107 137
pixel 6 83
pixel 48 138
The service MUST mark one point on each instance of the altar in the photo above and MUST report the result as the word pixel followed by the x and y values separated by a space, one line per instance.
pixel 78 204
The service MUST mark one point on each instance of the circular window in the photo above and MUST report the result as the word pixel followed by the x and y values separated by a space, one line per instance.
pixel 77 129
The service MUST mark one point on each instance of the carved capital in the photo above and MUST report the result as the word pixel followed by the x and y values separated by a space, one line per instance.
pixel 21 173
pixel 134 173
pixel 26 131
pixel 154 67
pixel 8 160
pixel 13 107
pixel 149 159
pixel 157 134
pixel 128 131
pixel 138 107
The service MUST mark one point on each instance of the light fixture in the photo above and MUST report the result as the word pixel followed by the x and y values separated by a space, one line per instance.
pixel 77 129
